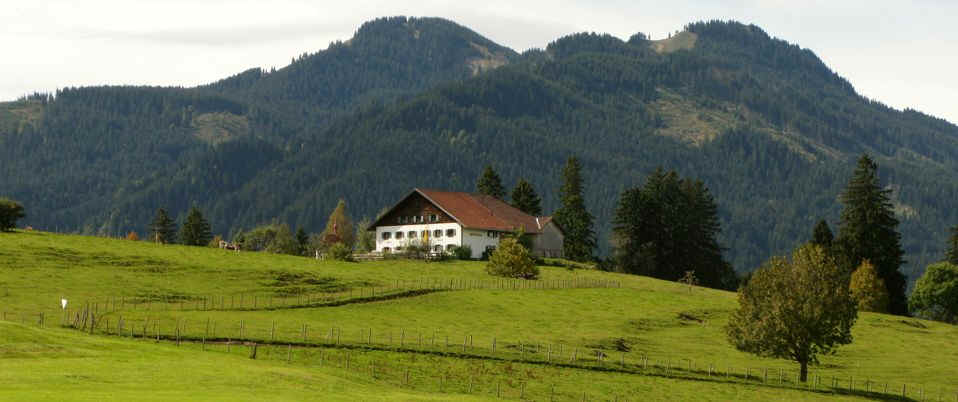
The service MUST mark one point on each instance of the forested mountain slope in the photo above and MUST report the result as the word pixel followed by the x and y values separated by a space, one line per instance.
pixel 77 158
pixel 765 124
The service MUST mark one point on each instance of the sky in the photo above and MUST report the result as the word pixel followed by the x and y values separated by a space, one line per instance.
pixel 902 53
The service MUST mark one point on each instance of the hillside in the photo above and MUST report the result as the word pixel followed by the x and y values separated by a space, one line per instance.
pixel 547 333
pixel 769 128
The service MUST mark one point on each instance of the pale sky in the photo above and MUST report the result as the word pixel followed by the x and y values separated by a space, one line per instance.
pixel 902 53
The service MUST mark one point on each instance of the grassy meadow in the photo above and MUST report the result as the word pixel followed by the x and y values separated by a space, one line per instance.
pixel 638 337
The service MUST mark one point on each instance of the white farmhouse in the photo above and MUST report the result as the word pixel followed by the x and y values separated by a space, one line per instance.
pixel 446 219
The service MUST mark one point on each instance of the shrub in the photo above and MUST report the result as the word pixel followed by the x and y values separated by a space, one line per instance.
pixel 340 252
pixel 10 212
pixel 512 260
pixel 463 252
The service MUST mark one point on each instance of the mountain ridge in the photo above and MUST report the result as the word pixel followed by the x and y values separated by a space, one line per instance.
pixel 768 126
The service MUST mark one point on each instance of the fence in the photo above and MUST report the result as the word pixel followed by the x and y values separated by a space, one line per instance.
pixel 400 288
pixel 304 339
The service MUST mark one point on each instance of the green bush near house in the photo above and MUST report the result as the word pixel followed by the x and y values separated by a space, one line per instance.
pixel 512 260
pixel 463 252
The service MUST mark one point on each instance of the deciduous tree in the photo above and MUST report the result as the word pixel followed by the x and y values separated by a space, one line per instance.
pixel 283 241
pixel 868 290
pixel 794 308
pixel 936 293
pixel 10 212
pixel 365 239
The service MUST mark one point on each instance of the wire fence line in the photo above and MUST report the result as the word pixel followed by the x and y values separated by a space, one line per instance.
pixel 249 301
pixel 303 338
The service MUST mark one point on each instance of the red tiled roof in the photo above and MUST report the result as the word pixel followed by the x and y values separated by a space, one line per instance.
pixel 480 211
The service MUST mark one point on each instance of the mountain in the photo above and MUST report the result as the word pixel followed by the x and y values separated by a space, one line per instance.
pixel 769 128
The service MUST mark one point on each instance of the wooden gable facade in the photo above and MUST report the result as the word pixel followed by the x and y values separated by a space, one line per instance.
pixel 414 209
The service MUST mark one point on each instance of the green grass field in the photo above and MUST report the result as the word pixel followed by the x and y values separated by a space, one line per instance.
pixel 653 339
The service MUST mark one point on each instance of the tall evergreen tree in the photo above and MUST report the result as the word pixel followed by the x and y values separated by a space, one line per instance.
pixel 822 234
pixel 195 230
pixel 668 227
pixel 868 231
pixel 303 239
pixel 524 198
pixel 576 222
pixel 952 253
pixel 162 229
pixel 489 183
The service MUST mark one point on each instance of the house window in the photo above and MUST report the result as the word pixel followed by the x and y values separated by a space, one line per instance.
pixel 450 232
pixel 422 219
pixel 387 235
pixel 398 248
pixel 398 235
pixel 437 248
pixel 398 219
pixel 412 234
pixel 434 218
pixel 437 233
pixel 492 234
pixel 387 250
pixel 424 234
pixel 450 247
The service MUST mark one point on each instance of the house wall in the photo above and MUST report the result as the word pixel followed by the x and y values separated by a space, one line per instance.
pixel 549 242
pixel 479 240
pixel 444 241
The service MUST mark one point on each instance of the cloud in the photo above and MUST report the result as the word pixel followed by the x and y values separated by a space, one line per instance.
pixel 226 36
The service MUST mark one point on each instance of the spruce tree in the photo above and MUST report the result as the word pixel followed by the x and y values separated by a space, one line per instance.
pixel 525 199
pixel 822 234
pixel 868 231
pixel 162 229
pixel 952 253
pixel 195 230
pixel 576 222
pixel 489 183
pixel 669 227
pixel 303 239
